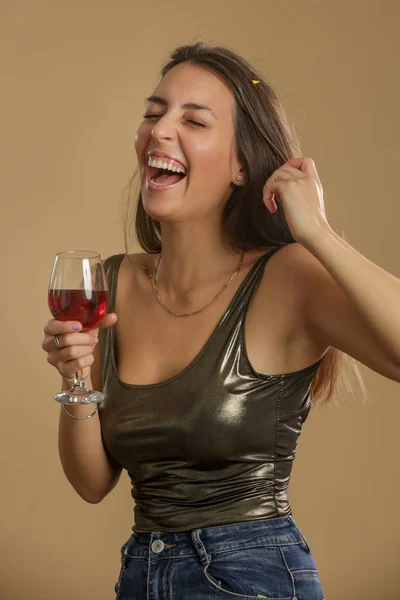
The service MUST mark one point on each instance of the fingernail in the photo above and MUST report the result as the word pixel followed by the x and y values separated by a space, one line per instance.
pixel 76 326
pixel 96 339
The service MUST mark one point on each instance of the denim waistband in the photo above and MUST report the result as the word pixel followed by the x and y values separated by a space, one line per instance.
pixel 216 538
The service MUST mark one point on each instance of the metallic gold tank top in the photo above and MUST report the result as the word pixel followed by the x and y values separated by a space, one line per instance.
pixel 213 444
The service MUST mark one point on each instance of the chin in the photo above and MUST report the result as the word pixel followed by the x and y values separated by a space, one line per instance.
pixel 160 209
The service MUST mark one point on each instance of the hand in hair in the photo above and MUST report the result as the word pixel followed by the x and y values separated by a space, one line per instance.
pixel 297 188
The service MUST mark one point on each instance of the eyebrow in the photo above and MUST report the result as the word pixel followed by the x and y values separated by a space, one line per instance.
pixel 193 105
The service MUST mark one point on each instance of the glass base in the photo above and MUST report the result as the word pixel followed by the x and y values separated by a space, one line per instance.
pixel 75 397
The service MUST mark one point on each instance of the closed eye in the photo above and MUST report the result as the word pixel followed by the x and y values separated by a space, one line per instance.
pixel 189 120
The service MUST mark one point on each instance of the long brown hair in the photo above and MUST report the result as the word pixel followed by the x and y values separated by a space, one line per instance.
pixel 265 140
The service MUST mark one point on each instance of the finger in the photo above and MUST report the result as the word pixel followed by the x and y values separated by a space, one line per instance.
pixel 73 353
pixel 61 328
pixel 54 327
pixel 296 162
pixel 107 320
pixel 70 339
pixel 275 180
pixel 271 188
pixel 70 377
pixel 59 358
pixel 291 171
pixel 78 339
pixel 305 164
pixel 68 369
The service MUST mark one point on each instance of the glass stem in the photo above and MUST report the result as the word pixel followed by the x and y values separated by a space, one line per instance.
pixel 79 383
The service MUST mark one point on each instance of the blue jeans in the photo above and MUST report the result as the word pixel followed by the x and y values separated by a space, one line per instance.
pixel 268 558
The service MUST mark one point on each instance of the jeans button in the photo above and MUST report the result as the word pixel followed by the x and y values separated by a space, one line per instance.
pixel 157 546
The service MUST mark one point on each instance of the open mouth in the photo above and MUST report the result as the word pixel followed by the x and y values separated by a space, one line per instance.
pixel 161 176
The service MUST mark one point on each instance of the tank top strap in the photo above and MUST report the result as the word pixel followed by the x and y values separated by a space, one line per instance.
pixel 246 289
pixel 111 267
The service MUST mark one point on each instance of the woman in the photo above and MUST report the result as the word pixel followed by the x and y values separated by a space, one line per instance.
pixel 204 412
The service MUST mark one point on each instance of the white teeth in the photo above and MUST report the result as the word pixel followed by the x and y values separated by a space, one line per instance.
pixel 163 165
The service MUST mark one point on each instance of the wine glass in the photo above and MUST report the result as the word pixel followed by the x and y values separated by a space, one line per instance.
pixel 78 291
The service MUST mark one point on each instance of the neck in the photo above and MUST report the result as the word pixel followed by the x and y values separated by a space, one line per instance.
pixel 193 262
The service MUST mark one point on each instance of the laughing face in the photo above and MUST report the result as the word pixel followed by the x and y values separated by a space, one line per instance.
pixel 188 128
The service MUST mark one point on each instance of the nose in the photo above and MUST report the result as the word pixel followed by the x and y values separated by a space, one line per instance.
pixel 163 129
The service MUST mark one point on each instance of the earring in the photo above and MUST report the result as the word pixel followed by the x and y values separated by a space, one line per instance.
pixel 239 178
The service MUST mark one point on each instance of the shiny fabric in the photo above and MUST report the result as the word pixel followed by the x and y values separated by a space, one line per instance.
pixel 215 443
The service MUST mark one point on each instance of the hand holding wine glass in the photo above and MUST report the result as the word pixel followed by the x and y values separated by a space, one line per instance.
pixel 78 293
pixel 76 353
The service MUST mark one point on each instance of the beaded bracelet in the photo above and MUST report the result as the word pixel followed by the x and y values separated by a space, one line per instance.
pixel 81 418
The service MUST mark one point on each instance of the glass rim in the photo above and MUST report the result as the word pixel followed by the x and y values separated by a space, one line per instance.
pixel 90 253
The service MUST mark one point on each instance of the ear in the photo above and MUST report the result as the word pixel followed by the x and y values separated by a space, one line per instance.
pixel 237 168
pixel 242 174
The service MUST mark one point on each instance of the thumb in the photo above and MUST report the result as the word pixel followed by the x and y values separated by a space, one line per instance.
pixel 106 321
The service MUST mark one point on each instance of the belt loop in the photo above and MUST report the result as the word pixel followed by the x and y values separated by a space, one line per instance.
pixel 205 559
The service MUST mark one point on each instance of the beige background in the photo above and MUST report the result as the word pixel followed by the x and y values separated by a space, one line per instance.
pixel 74 75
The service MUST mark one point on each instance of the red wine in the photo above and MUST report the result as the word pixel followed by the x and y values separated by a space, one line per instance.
pixel 78 305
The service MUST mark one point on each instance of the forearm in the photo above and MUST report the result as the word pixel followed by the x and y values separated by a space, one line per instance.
pixel 374 291
pixel 82 454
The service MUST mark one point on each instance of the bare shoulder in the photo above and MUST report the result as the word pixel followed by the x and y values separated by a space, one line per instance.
pixel 281 267
pixel 288 267
pixel 283 289
pixel 297 266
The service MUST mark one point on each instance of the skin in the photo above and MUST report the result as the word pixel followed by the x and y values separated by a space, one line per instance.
pixel 195 250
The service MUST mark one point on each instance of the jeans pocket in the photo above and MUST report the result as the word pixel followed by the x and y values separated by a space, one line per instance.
pixel 301 564
pixel 249 573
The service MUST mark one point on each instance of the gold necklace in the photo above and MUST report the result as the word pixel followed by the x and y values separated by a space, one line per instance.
pixel 154 278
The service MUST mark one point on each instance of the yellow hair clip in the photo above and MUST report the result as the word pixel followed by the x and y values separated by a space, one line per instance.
pixel 255 81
